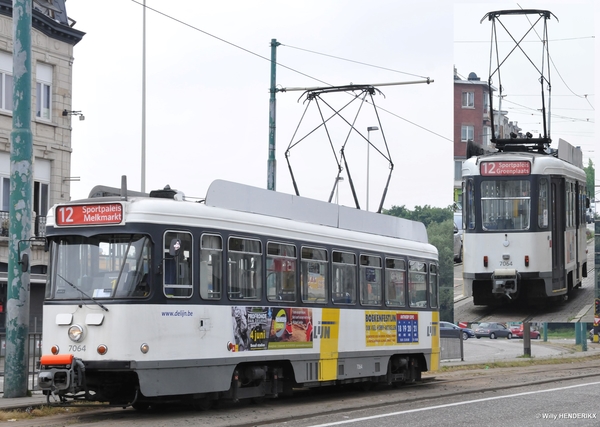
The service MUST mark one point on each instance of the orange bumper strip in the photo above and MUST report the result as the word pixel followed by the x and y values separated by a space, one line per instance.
pixel 58 359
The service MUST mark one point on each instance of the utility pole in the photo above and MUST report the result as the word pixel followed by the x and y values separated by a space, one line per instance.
pixel 21 176
pixel 272 163
pixel 143 187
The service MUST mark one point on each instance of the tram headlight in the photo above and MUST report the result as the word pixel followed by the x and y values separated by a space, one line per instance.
pixel 76 333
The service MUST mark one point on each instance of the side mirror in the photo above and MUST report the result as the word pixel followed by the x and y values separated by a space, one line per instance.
pixel 24 263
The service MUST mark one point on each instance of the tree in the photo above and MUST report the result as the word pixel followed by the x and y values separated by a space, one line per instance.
pixel 590 178
pixel 425 214
pixel 440 228
pixel 441 236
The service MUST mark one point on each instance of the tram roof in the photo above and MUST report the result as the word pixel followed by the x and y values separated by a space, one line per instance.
pixel 244 198
pixel 247 199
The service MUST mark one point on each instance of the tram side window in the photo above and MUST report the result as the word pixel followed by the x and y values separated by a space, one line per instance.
pixel 343 277
pixel 211 266
pixel 433 285
pixel 582 204
pixel 417 284
pixel 244 261
pixel 395 282
pixel 313 275
pixel 570 204
pixel 281 272
pixel 469 206
pixel 177 265
pixel 370 280
pixel 543 203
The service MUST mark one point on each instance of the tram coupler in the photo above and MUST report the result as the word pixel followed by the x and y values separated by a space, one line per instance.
pixel 504 282
pixel 61 373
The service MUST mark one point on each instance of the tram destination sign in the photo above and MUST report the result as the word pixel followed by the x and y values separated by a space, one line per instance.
pixel 95 214
pixel 505 168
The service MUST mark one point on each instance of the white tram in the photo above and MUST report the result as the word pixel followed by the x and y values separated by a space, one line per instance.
pixel 524 226
pixel 249 293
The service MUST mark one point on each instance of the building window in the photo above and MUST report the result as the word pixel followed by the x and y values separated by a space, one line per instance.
pixel 43 91
pixel 486 104
pixel 5 194
pixel 466 133
pixel 468 99
pixel 487 136
pixel 6 82
pixel 40 198
pixel 458 170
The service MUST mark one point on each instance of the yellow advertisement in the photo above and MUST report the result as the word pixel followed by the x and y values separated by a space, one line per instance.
pixel 387 328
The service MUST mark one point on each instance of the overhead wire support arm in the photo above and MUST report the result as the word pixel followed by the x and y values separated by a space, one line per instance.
pixel 352 86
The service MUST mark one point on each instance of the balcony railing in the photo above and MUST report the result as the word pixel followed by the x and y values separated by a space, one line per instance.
pixel 39 229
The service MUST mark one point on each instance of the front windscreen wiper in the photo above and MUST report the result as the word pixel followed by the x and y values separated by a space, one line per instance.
pixel 83 293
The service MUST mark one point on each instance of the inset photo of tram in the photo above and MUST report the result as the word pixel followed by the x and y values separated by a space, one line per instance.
pixel 523 198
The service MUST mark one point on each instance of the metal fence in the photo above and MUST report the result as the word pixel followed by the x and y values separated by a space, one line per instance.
pixel 451 343
pixel 34 353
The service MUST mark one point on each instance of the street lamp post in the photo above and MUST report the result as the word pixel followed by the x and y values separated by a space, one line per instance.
pixel 369 129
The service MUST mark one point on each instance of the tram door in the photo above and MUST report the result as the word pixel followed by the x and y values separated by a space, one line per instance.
pixel 558 233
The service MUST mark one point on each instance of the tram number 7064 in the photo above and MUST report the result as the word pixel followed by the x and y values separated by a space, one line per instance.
pixel 506 263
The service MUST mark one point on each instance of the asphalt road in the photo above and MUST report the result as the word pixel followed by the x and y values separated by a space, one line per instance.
pixel 564 402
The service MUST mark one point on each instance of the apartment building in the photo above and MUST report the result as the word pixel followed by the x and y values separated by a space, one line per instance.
pixel 472 122
pixel 52 40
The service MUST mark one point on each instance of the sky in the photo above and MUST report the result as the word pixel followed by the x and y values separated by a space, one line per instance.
pixel 207 92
